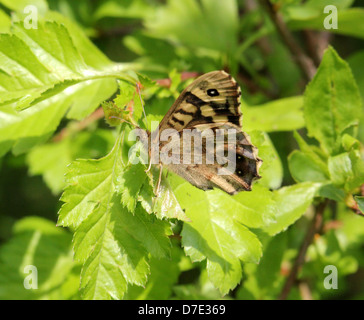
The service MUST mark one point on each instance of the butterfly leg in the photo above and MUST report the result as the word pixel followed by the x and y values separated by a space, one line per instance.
pixel 149 166
pixel 156 192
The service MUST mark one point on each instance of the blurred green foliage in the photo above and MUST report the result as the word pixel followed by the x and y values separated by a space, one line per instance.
pixel 197 245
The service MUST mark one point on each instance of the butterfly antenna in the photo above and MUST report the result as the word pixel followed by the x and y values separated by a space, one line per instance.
pixel 141 102
pixel 145 117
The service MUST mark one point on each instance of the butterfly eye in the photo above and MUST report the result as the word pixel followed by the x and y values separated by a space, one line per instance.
pixel 213 92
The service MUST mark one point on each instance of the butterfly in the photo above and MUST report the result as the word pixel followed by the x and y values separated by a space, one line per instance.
pixel 210 103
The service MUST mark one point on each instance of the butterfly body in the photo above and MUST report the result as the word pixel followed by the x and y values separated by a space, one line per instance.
pixel 210 108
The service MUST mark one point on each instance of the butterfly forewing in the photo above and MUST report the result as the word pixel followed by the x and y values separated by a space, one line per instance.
pixel 212 98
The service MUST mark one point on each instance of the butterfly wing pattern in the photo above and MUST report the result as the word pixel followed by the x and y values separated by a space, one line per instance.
pixel 210 104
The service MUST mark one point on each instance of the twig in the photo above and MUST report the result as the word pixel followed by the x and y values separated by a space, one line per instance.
pixel 353 205
pixel 184 76
pixel 303 61
pixel 316 43
pixel 305 290
pixel 99 113
pixel 115 32
pixel 78 126
pixel 314 228
pixel 262 42
pixel 253 86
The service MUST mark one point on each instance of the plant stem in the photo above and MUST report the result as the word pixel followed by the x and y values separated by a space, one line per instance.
pixel 303 61
pixel 313 229
pixel 99 113
pixel 79 126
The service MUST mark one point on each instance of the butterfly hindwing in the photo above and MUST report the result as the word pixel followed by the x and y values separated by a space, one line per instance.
pixel 233 165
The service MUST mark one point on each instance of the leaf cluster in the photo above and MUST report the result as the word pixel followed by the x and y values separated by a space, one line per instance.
pixel 114 238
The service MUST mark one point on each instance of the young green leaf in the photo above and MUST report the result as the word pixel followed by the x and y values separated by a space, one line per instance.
pixel 357 166
pixel 340 169
pixel 303 168
pixel 114 234
pixel 308 164
pixel 332 103
pixel 291 203
pixel 360 202
pixel 90 183
pixel 38 254
pixel 314 153
pixel 113 244
pixel 271 169
pixel 131 181
pixel 43 69
pixel 217 230
pixel 280 115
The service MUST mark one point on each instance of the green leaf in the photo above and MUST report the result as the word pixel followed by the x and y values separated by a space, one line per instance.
pixel 113 244
pixel 264 280
pixel 302 168
pixel 340 169
pixel 280 115
pixel 347 169
pixel 112 240
pixel 332 103
pixel 43 69
pixel 90 183
pixel 37 242
pixel 357 165
pixel 130 100
pixel 51 159
pixel 349 143
pixel 23 130
pixel 330 249
pixel 349 22
pixel 355 61
pixel 19 5
pixel 163 275
pixel 92 94
pixel 360 202
pixel 271 169
pixel 217 231
pixel 125 9
pixel 166 204
pixel 131 182
pixel 192 24
pixel 307 164
pixel 313 152
pixel 291 203
pixel 314 8
pixel 5 22
pixel 52 46
pixel 92 56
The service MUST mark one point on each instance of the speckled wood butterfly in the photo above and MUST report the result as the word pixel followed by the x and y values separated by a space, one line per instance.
pixel 209 104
